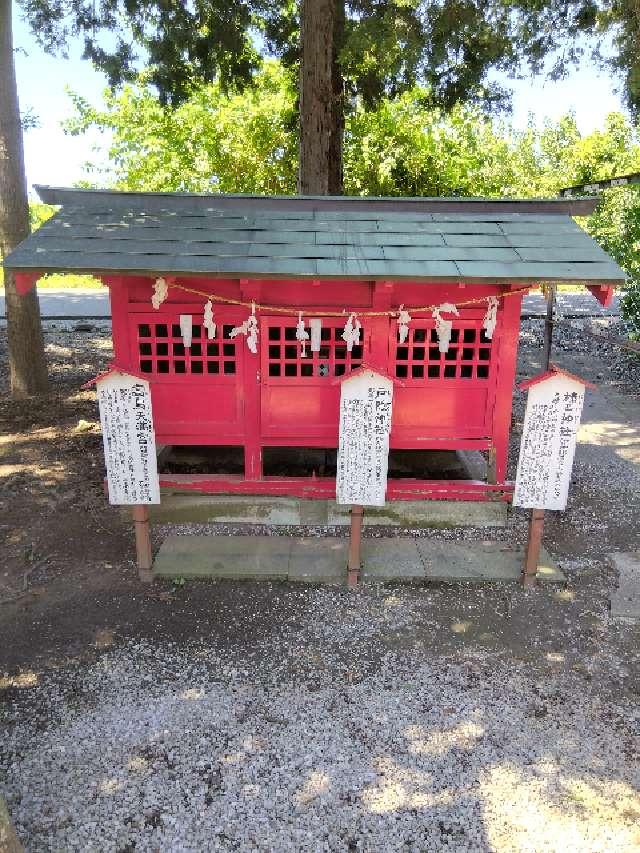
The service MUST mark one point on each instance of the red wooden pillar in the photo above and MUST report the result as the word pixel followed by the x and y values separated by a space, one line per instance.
pixel 250 290
pixel 508 330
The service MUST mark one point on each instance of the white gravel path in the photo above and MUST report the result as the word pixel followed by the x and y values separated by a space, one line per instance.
pixel 158 749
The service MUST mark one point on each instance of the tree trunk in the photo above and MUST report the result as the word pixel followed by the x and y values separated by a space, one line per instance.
pixel 321 98
pixel 27 364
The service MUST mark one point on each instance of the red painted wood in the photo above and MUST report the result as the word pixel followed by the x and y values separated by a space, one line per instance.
pixel 219 393
pixel 26 281
pixel 325 487
pixel 506 340
pixel 603 293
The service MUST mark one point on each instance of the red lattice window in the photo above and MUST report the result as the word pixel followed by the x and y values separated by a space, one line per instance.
pixel 419 358
pixel 284 352
pixel 160 350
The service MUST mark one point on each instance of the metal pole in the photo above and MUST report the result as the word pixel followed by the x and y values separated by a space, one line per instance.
pixel 144 556
pixel 536 520
pixel 355 542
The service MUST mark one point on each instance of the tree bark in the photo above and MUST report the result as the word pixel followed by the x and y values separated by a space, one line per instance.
pixel 321 98
pixel 27 363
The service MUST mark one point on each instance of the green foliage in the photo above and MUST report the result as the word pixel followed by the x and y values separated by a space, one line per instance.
pixel 241 142
pixel 616 226
pixel 386 47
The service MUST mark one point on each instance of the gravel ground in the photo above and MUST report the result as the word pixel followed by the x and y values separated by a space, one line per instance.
pixel 161 748
pixel 389 718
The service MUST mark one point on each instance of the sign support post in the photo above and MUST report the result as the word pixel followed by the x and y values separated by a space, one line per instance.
pixel 144 556
pixel 536 521
pixel 355 542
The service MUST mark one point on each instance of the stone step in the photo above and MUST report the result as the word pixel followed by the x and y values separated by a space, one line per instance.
pixel 324 559
pixel 241 509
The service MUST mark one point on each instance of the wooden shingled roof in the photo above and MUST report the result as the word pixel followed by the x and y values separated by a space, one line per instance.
pixel 99 231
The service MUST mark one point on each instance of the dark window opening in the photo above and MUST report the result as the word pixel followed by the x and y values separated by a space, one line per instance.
pixel 274 333
pixel 229 367
pixel 433 371
pixel 401 371
pixel 178 349
pixel 163 366
pixel 213 349
pixel 162 349
pixel 161 330
pixel 469 336
pixel 213 367
pixel 196 367
pixel 299 461
pixel 179 367
pixel 146 366
pixel 228 349
pixel 145 349
pixel 451 354
pixel 196 349
pixel 466 371
pixel 176 331
pixel 274 370
pixel 417 371
pixel 194 459
pixel 483 371
pixel 450 371
pixel 290 370
pixel 420 336
pixel 144 330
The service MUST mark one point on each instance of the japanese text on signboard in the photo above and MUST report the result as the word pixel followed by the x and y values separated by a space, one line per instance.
pixel 548 444
pixel 128 439
pixel 363 455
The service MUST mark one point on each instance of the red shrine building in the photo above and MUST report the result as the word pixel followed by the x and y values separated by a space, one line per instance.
pixel 244 313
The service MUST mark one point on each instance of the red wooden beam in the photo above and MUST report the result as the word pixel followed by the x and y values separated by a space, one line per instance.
pixel 324 488
pixel 603 293
pixel 26 281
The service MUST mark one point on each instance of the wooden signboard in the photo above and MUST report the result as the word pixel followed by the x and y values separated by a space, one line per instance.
pixel 363 453
pixel 128 438
pixel 552 418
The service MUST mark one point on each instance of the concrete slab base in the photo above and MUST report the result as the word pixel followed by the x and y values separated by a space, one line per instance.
pixel 9 842
pixel 323 560
pixel 625 600
pixel 240 509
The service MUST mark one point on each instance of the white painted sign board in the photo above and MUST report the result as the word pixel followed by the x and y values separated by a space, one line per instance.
pixel 363 453
pixel 128 438
pixel 548 445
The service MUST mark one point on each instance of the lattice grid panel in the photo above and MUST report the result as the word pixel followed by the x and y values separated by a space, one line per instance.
pixel 161 351
pixel 284 353
pixel 419 358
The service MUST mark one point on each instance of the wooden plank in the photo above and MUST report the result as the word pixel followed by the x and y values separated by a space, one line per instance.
pixel 382 269
pixel 449 253
pixel 564 239
pixel 173 233
pixel 555 271
pixel 179 202
pixel 589 251
pixel 559 224
pixel 379 239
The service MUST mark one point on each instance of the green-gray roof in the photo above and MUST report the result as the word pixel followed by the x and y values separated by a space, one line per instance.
pixel 101 231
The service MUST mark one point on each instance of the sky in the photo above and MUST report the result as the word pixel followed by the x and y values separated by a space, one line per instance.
pixel 54 158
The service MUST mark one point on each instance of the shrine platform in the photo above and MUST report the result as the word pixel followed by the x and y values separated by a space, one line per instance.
pixel 323 560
